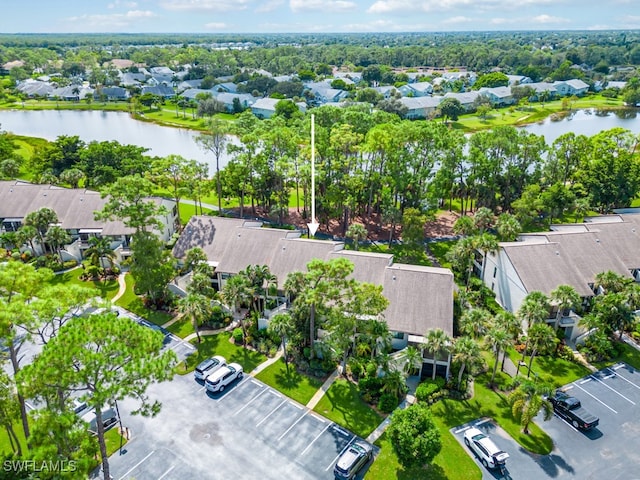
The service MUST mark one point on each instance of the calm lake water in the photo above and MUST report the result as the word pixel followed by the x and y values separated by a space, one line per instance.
pixel 163 141
pixel 107 126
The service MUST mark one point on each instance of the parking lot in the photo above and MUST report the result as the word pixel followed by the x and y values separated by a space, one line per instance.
pixel 611 450
pixel 249 431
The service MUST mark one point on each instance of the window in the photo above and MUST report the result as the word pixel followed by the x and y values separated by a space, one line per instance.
pixel 397 335
pixel 495 271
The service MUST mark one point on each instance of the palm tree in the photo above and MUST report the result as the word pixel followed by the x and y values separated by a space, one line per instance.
pixel 510 324
pixel 196 307
pixel 26 234
pixel 464 226
pixel 379 337
pixel 564 297
pixel 57 236
pixel 236 291
pixel 534 308
pixel 412 359
pixel 498 340
pixel 475 322
pixel 539 337
pixel 41 219
pixel 100 247
pixel 357 233
pixel 508 227
pixel 483 219
pixel 436 340
pixel 466 351
pixel 282 325
pixel 486 243
pixel 526 402
pixel 394 383
pixel 610 282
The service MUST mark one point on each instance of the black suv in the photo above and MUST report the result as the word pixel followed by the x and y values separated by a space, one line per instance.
pixel 352 460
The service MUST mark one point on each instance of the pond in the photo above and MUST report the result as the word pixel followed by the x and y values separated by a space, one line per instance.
pixel 163 141
pixel 586 122
pixel 106 126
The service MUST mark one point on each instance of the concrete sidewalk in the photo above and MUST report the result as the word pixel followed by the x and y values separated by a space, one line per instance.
pixel 323 389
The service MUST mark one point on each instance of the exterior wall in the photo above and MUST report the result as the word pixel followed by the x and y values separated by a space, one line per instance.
pixel 262 113
pixel 399 343
pixel 506 284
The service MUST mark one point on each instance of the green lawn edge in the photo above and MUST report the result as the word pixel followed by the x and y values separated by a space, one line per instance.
pixel 293 384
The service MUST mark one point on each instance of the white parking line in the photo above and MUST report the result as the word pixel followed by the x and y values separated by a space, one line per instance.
pixel 596 398
pixel 585 381
pixel 250 402
pixel 293 424
pixel 271 412
pixel 482 422
pixel 626 380
pixel 238 385
pixel 166 473
pixel 136 465
pixel 620 365
pixel 338 456
pixel 614 390
pixel 460 430
pixel 314 440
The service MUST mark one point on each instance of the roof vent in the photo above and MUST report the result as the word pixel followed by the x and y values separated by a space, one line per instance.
pixel 284 247
pixel 597 240
pixel 394 277
pixel 557 253
pixel 633 230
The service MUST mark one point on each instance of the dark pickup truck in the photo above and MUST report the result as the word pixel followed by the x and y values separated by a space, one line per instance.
pixel 571 410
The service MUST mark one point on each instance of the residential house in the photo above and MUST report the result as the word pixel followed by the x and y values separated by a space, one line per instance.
pixel 387 91
pixel 166 71
pixel 157 80
pixel 112 93
pixel 323 92
pixel 129 79
pixel 164 91
pixel 466 99
pixel 188 84
pixel 469 78
pixel 72 93
pixel 499 96
pixel 567 88
pixel 420 298
pixel 518 80
pixel 228 87
pixel 568 255
pixel 419 89
pixel 540 87
pixel 192 93
pixel 35 88
pixel 75 208
pixel 420 107
pixel 354 77
pixel 266 107
pixel 246 100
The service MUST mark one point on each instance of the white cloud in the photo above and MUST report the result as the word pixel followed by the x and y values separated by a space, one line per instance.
pixel 457 20
pixel 547 19
pixel 326 6
pixel 430 6
pixel 109 22
pixel 206 5
pixel 215 26
pixel 269 6
pixel 122 3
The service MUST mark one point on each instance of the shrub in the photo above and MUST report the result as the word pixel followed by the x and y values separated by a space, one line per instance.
pixel 387 403
pixel 237 335
pixel 69 264
pixel 427 389
pixel 370 388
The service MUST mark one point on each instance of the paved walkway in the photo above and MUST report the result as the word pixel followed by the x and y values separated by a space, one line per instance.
pixel 323 389
pixel 268 362
pixel 123 287
pixel 410 399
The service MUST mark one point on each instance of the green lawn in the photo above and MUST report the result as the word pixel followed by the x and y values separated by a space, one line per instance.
pixel 112 439
pixel 630 356
pixel 452 463
pixel 5 444
pixel 440 250
pixel 292 383
pixel 106 290
pixel 342 404
pixel 401 253
pixel 220 345
pixel 134 304
pixel 554 371
pixel 181 328
pixel 187 211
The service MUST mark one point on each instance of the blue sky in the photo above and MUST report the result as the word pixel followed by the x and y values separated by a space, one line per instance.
pixel 224 16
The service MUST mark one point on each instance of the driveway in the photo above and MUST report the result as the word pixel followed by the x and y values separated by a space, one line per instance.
pixel 249 431
pixel 610 451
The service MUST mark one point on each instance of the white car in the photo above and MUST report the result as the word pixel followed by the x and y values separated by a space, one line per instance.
pixel 221 378
pixel 488 452
pixel 209 366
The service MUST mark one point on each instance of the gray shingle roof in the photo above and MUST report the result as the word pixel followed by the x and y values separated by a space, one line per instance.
pixel 420 297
